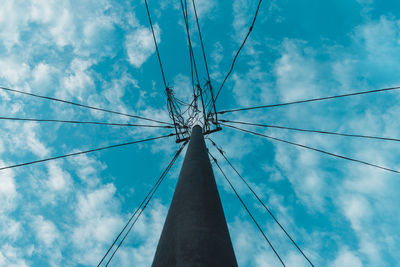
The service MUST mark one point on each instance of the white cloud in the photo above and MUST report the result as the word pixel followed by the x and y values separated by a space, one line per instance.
pixel 182 87
pixel 140 45
pixel 8 190
pixel 365 2
pixel 296 72
pixel 78 82
pixel 261 89
pixel 63 30
pixel 144 236
pixel 32 141
pixel 379 42
pixel 88 169
pixel 357 210
pixel 43 76
pixel 307 181
pixel 98 221
pixel 45 230
pixel 59 180
pixel 94 28
pixel 10 229
pixel 217 56
pixel 241 11
pixel 205 7
pixel 22 138
pixel 11 256
pixel 11 23
pixel 343 72
pixel 16 71
pixel 381 39
pixel 250 246
pixel 296 259
pixel 43 11
pixel 347 258
pixel 116 90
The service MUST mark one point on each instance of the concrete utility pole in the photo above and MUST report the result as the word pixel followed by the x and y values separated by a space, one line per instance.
pixel 195 231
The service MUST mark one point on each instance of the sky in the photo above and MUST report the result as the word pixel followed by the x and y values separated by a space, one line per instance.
pixel 67 212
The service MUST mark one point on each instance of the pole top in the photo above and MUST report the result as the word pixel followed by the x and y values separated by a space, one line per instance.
pixel 197 128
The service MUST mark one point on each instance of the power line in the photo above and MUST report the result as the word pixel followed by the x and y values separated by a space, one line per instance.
pixel 313 131
pixel 150 196
pixel 191 53
pixel 84 152
pixel 201 39
pixel 205 59
pixel 240 48
pixel 185 15
pixel 311 100
pixel 311 148
pixel 248 211
pixel 81 105
pixel 84 122
pixel 193 60
pixel 143 204
pixel 261 202
pixel 155 43
pixel 170 106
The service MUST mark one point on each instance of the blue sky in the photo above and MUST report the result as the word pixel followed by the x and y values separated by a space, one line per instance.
pixel 66 212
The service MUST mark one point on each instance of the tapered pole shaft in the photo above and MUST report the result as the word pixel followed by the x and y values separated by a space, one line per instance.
pixel 195 232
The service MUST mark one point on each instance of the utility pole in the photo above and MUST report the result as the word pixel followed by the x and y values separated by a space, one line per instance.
pixel 195 231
